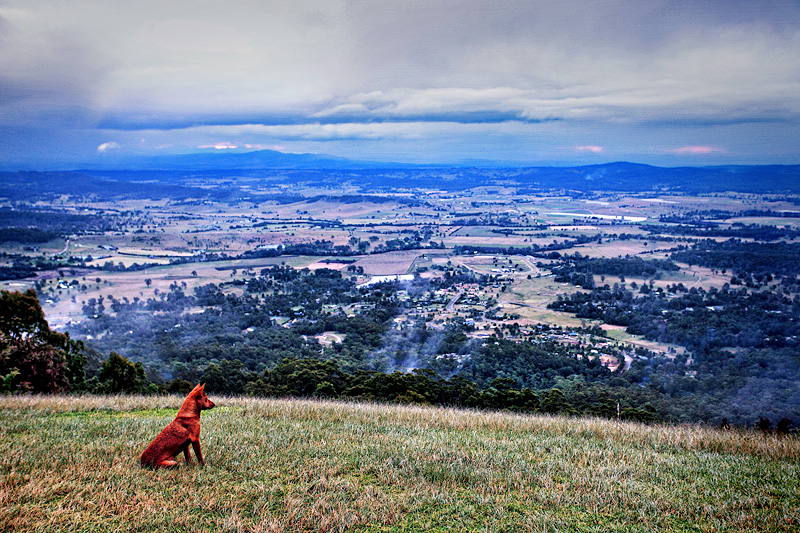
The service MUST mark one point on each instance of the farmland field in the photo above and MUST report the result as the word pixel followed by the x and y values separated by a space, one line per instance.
pixel 689 290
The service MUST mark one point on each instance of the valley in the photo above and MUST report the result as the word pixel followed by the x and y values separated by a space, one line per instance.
pixel 470 263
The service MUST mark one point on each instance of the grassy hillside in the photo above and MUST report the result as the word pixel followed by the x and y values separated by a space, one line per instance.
pixel 71 464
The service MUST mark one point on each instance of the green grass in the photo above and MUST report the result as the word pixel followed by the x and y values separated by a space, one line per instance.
pixel 71 464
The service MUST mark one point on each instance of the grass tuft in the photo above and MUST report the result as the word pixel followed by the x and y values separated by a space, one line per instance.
pixel 71 463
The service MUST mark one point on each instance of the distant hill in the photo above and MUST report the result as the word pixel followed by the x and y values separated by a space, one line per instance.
pixel 617 176
pixel 20 186
pixel 225 160
pixel 636 177
pixel 174 176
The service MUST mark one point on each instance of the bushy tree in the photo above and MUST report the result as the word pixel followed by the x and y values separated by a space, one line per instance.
pixel 179 386
pixel 33 358
pixel 554 402
pixel 118 374
pixel 225 377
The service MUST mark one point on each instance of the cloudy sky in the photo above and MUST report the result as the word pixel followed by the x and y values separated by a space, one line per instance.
pixel 669 82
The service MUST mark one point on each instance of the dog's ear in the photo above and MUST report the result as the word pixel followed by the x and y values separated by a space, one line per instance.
pixel 203 386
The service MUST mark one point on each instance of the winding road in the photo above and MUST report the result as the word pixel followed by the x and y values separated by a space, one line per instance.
pixel 65 250
pixel 451 305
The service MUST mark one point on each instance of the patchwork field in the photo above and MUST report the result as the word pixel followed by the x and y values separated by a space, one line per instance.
pixel 161 232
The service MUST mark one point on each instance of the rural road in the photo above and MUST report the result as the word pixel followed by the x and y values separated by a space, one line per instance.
pixel 65 250
pixel 528 260
pixel 451 305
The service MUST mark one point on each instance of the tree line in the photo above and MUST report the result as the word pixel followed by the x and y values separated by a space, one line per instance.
pixel 34 358
pixel 741 357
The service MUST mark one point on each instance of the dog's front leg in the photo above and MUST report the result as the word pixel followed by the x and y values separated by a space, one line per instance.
pixel 197 452
pixel 186 452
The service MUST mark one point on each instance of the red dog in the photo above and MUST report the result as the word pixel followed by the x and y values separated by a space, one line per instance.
pixel 176 437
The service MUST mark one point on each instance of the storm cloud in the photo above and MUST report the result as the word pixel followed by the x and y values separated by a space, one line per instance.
pixel 444 81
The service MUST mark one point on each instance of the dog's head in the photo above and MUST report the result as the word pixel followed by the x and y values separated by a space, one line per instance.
pixel 200 397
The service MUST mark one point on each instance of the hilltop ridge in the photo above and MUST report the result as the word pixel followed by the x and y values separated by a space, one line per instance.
pixel 299 465
pixel 153 173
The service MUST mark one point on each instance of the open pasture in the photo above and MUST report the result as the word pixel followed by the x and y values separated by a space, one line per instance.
pixel 791 222
pixel 71 464
pixel 477 236
pixel 619 334
pixel 529 298
pixel 43 249
pixel 612 248
pixel 326 209
pixel 697 276
pixel 390 263
pixel 134 284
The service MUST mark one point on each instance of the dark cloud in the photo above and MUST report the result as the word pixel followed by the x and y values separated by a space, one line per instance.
pixel 52 77
pixel 536 75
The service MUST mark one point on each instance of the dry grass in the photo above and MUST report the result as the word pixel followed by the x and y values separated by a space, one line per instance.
pixel 389 263
pixel 71 464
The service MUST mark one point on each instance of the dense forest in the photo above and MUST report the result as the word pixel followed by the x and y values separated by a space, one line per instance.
pixel 742 343
pixel 50 221
pixel 48 186
pixel 746 259
pixel 736 231
pixel 741 360
pixel 33 358
pixel 580 270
